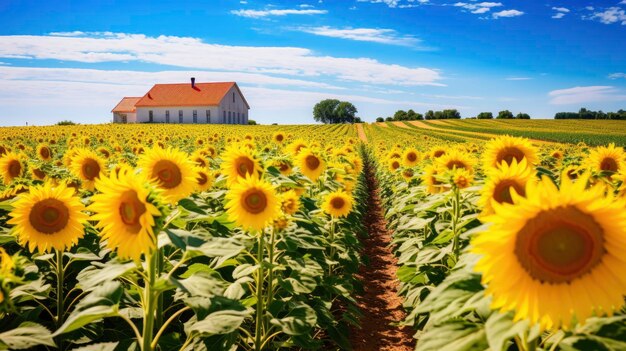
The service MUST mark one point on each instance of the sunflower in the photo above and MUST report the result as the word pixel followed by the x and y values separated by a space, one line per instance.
pixel 411 157
pixel 565 249
pixel 252 204
pixel 289 202
pixel 455 159
pixel 572 172
pixel 48 217
pixel 171 171
pixel 433 185
pixel 126 214
pixel 198 157
pixel 284 166
pixel 502 182
pixel 393 164
pixel 279 138
pixel 608 159
pixel 462 178
pixel 37 173
pixel 12 192
pixel 311 164
pixel 337 204
pixel 44 152
pixel 437 152
pixel 408 174
pixel 204 179
pixel 506 149
pixel 12 166
pixel 87 166
pixel 239 163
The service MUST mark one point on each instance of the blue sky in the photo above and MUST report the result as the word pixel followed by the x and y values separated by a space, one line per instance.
pixel 76 59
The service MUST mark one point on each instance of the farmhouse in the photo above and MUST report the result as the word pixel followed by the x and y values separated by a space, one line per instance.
pixel 201 103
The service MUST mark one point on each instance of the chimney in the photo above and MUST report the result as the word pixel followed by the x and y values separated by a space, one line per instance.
pixel 193 82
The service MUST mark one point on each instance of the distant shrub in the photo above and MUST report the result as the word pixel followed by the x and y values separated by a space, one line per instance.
pixel 66 123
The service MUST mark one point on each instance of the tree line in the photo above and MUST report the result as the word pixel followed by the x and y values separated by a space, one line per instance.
pixel 333 111
pixel 583 113
pixel 411 115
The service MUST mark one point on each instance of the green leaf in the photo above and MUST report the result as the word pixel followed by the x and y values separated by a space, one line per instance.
pixel 454 335
pixel 104 346
pixel 300 320
pixel 100 303
pixel 190 205
pixel 92 276
pixel 27 335
pixel 219 322
pixel 500 328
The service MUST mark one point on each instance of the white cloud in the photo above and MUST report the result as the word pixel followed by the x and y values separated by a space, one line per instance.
pixel 610 16
pixel 266 13
pixel 617 75
pixel 375 35
pixel 590 8
pixel 195 54
pixel 508 13
pixel 558 15
pixel 478 8
pixel 561 9
pixel 306 6
pixel 589 94
pixel 390 3
pixel 518 78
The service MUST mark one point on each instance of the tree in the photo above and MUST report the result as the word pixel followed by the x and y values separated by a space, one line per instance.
pixel 451 114
pixel 506 114
pixel 400 115
pixel 334 111
pixel 380 119
pixel 389 119
pixel 485 115
pixel 522 116
pixel 413 116
pixel 252 122
pixel 429 115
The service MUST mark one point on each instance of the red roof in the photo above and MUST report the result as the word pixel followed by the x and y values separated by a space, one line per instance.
pixel 203 94
pixel 126 105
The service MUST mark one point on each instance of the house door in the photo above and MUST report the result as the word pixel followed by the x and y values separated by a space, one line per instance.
pixel 124 119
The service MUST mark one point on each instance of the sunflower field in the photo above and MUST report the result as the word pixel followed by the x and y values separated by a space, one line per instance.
pixel 136 237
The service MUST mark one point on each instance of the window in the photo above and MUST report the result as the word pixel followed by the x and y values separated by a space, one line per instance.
pixel 167 116
pixel 195 116
pixel 180 116
pixel 208 116
pixel 233 97
pixel 224 117
pixel 150 116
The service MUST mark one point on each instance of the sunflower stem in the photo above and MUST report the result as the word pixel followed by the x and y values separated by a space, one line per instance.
pixel 270 283
pixel 331 240
pixel 456 209
pixel 60 305
pixel 260 309
pixel 159 310
pixel 149 303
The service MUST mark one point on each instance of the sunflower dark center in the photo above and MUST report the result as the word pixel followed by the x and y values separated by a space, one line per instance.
pixel 280 137
pixel 91 169
pixel 245 166
pixel 312 162
pixel 411 156
pixel 49 216
pixel 439 153
pixel 560 245
pixel 502 191
pixel 168 174
pixel 609 164
pixel 337 203
pixel 44 152
pixel 202 178
pixel 15 168
pixel 131 209
pixel 254 201
pixel 508 154
pixel 452 164
pixel 39 173
pixel 395 165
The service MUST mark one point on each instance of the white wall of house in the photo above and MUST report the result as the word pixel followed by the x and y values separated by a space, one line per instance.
pixel 159 114
pixel 118 117
pixel 233 109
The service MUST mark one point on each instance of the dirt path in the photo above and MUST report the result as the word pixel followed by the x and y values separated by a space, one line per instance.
pixel 382 124
pixel 380 304
pixel 361 132
pixel 400 124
